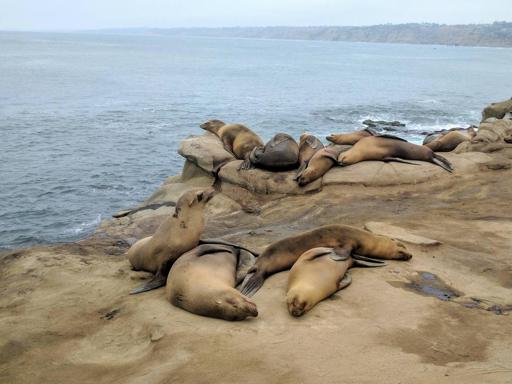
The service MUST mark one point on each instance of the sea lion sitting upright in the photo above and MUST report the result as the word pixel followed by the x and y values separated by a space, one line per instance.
pixel 350 138
pixel 281 153
pixel 319 273
pixel 203 281
pixel 448 141
pixel 320 163
pixel 236 138
pixel 178 234
pixel 390 148
pixel 308 146
pixel 344 239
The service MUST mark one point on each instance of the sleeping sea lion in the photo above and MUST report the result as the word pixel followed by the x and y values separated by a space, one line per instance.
pixel 178 234
pixel 470 132
pixel 308 146
pixel 281 153
pixel 203 281
pixel 448 141
pixel 344 239
pixel 236 138
pixel 320 163
pixel 319 273
pixel 388 148
pixel 350 138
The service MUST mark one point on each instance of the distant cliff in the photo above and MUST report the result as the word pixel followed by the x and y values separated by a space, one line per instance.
pixel 498 34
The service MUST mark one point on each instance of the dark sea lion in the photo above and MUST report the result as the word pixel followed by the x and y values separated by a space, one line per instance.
pixel 178 234
pixel 320 163
pixel 448 141
pixel 308 146
pixel 282 254
pixel 318 274
pixel 350 138
pixel 281 153
pixel 387 148
pixel 203 281
pixel 236 138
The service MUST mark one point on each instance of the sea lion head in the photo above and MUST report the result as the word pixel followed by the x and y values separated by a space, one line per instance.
pixel 212 125
pixel 298 304
pixel 256 154
pixel 233 306
pixel 403 253
pixel 331 138
pixel 193 198
pixel 306 177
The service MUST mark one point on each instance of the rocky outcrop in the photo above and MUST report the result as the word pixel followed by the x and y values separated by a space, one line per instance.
pixel 493 134
pixel 497 110
pixel 205 151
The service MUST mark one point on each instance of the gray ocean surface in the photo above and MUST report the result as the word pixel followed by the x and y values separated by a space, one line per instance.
pixel 91 123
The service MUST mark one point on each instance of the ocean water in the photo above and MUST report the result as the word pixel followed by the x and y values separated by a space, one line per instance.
pixel 91 123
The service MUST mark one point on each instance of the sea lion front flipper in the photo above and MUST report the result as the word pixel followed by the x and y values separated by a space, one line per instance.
pixel 159 280
pixel 397 160
pixel 254 281
pixel 245 262
pixel 365 261
pixel 346 281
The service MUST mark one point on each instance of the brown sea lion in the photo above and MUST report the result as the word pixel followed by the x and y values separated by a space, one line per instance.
pixel 344 239
pixel 320 163
pixel 281 153
pixel 448 141
pixel 203 281
pixel 350 138
pixel 236 138
pixel 389 148
pixel 308 146
pixel 319 273
pixel 178 234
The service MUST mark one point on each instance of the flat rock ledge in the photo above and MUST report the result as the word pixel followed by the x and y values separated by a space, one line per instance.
pixel 206 152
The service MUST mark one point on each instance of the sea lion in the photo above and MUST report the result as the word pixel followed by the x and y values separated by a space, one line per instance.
pixel 350 138
pixel 236 138
pixel 308 146
pixel 281 153
pixel 281 254
pixel 178 234
pixel 448 141
pixel 320 163
pixel 319 273
pixel 203 281
pixel 389 148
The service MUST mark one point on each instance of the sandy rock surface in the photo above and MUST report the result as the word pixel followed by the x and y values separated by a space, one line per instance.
pixel 67 317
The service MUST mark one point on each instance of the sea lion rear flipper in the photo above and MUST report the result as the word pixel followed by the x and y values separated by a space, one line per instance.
pixel 397 160
pixel 442 162
pixel 246 164
pixel 245 262
pixel 159 280
pixel 346 281
pixel 386 136
pixel 254 281
pixel 365 261
pixel 300 171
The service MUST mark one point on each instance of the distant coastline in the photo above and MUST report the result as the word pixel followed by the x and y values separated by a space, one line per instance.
pixel 497 34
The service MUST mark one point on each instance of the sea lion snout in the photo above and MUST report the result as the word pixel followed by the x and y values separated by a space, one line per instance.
pixel 296 306
pixel 208 125
pixel 330 138
pixel 403 253
pixel 238 308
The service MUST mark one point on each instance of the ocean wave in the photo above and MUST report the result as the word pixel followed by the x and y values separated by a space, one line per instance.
pixel 84 227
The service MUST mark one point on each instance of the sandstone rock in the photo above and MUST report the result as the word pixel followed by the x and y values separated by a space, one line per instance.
pixel 398 233
pixel 205 151
pixel 491 131
pixel 265 182
pixel 378 173
pixel 497 110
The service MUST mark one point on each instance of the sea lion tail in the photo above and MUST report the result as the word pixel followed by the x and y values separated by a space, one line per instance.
pixel 254 281
pixel 442 162
pixel 365 261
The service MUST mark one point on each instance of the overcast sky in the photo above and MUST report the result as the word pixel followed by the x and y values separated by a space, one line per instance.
pixel 91 14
